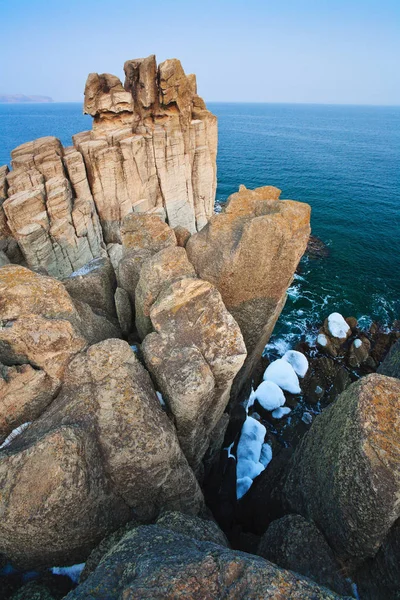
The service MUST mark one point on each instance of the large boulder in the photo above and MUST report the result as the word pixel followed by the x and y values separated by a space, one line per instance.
pixel 152 562
pixel 41 324
pixel 250 253
pixel 162 269
pixel 95 284
pixel 345 473
pixel 194 355
pixel 107 398
pixel 296 544
pixel 56 502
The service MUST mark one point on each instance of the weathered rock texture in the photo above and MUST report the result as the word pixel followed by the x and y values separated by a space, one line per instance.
pixel 345 474
pixel 194 354
pixel 152 150
pixel 104 451
pixel 154 562
pixel 296 544
pixel 250 253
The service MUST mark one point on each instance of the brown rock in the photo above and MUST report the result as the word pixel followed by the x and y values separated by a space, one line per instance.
pixel 24 394
pixel 55 503
pixel 152 562
pixel 146 232
pixel 95 284
pixel 344 475
pixel 250 253
pixel 358 354
pixel 157 272
pixel 194 356
pixel 296 544
pixel 182 235
pixel 391 364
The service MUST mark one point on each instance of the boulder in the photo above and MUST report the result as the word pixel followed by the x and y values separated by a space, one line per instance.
pixel 25 392
pixel 296 544
pixel 56 502
pixel 391 363
pixel 379 578
pixel 108 399
pixel 128 270
pixel 152 562
pixel 41 324
pixel 194 355
pixel 95 284
pixel 146 232
pixel 182 235
pixel 157 272
pixel 194 527
pixel 250 252
pixel 345 473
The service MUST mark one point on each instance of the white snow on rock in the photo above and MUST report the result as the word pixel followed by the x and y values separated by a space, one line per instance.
pixel 242 486
pixel 269 395
pixel 15 433
pixel 251 400
pixel 307 418
pixel 337 326
pixel 357 343
pixel 322 340
pixel 283 374
pixel 73 572
pixel 278 413
pixel 88 268
pixel 266 454
pixel 160 398
pixel 298 361
pixel 248 454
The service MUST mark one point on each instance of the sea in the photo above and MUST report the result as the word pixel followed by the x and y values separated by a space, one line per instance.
pixel 343 160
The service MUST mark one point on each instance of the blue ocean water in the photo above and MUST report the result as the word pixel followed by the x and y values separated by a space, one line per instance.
pixel 343 160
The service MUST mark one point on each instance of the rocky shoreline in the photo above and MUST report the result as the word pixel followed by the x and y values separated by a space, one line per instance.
pixel 148 446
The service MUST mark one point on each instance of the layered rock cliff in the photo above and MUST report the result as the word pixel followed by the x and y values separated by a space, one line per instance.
pixel 152 149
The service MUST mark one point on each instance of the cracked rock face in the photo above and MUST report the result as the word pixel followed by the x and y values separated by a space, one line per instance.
pixel 152 150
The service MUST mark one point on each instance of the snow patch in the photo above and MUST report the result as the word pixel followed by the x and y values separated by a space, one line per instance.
pixel 337 326
pixel 249 452
pixel 14 434
pixel 322 340
pixel 357 343
pixel 270 395
pixel 278 413
pixel 73 572
pixel 298 361
pixel 266 454
pixel 88 268
pixel 283 374
pixel 161 399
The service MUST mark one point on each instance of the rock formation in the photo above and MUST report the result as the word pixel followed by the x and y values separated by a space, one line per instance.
pixel 152 150
pixel 345 474
pixel 250 253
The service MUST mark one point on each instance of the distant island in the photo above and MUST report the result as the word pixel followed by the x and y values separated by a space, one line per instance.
pixel 22 99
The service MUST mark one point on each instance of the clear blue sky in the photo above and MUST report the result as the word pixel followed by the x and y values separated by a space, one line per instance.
pixel 323 51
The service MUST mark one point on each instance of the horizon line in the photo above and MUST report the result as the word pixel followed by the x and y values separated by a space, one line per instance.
pixel 225 102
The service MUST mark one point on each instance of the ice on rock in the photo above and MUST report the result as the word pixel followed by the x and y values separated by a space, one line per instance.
pixel 160 398
pixel 307 418
pixel 73 572
pixel 266 453
pixel 242 486
pixel 249 453
pixel 322 339
pixel 15 433
pixel 357 343
pixel 278 413
pixel 298 361
pixel 283 374
pixel 251 400
pixel 337 326
pixel 269 395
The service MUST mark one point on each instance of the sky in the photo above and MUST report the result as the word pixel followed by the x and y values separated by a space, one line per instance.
pixel 307 51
